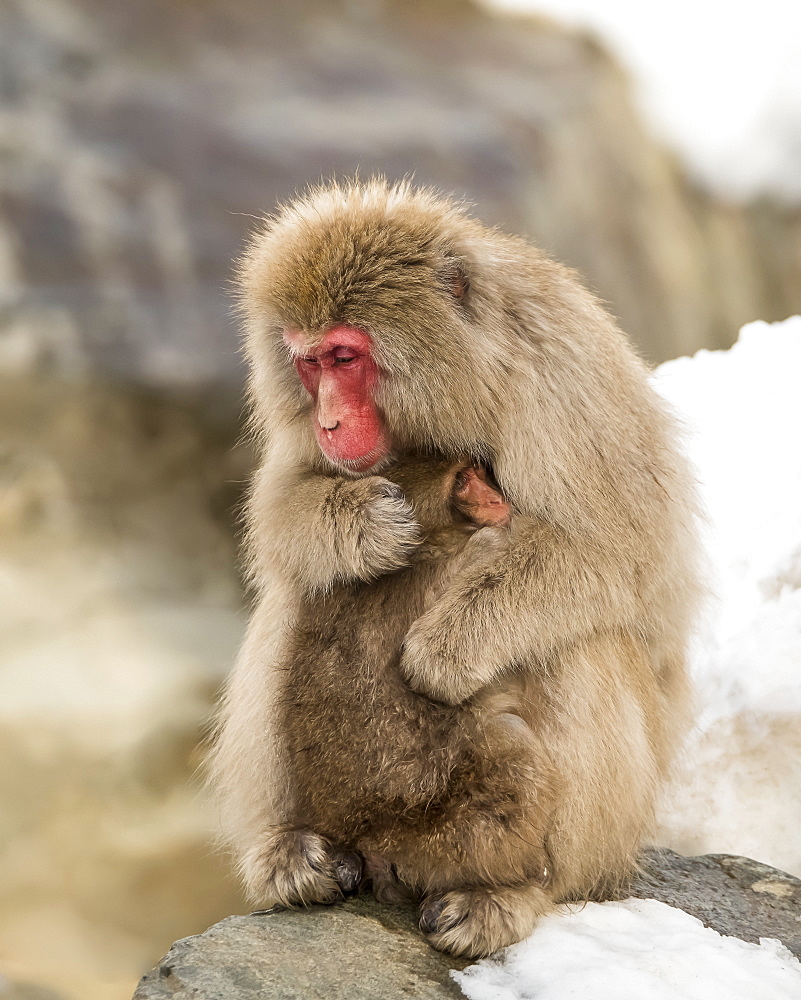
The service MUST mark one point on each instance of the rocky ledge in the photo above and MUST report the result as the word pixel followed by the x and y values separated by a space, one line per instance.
pixel 362 950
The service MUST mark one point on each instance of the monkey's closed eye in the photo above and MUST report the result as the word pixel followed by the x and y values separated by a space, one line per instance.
pixel 461 478
pixel 310 361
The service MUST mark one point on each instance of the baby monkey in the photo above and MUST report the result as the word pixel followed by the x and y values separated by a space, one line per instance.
pixel 447 804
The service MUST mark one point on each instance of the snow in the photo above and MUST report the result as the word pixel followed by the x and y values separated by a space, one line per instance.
pixel 738 789
pixel 638 949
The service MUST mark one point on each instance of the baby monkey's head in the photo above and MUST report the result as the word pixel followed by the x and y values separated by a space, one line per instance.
pixel 448 494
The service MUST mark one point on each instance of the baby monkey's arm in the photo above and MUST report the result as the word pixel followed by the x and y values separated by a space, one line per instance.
pixel 522 588
pixel 476 498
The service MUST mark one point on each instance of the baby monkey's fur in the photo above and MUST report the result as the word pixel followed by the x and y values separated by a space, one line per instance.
pixel 483 810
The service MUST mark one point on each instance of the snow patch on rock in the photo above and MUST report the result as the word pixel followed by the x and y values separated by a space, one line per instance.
pixel 631 950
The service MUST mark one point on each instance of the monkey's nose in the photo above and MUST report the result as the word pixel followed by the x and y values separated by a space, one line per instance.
pixel 333 426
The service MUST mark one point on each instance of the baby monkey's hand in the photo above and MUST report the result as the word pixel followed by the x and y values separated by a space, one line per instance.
pixel 441 657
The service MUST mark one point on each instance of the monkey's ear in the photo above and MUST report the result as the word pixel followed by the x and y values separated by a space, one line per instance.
pixel 454 277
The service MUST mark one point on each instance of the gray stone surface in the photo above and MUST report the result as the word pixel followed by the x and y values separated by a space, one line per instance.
pixel 138 140
pixel 733 895
pixel 358 951
pixel 364 951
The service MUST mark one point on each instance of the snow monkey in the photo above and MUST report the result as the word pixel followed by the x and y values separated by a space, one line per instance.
pixel 385 324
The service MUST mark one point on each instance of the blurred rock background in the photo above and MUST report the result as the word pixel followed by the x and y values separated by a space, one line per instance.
pixel 137 142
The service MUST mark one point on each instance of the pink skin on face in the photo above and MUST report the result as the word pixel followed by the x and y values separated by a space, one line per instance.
pixel 479 500
pixel 341 375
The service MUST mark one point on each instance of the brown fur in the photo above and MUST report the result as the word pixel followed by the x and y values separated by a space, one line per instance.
pixel 577 624
pixel 377 766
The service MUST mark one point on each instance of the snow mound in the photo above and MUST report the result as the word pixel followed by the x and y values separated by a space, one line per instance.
pixel 740 788
pixel 633 950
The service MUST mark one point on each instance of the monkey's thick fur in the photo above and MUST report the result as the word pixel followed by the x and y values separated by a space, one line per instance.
pixel 577 626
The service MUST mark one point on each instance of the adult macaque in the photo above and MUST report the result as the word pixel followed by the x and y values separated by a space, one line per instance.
pixel 384 322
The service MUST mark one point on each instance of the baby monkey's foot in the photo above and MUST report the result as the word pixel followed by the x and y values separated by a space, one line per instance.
pixel 298 867
pixel 382 876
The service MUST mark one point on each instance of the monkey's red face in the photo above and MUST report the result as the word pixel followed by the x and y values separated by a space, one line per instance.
pixel 341 375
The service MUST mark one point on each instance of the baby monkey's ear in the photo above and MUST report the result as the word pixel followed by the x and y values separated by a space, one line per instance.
pixel 477 497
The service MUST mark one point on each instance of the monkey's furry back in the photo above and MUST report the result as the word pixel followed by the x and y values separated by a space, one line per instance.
pixel 523 369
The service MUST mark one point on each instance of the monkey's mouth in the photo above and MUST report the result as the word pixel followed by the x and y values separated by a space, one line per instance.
pixel 354 460
pixel 354 448
pixel 372 461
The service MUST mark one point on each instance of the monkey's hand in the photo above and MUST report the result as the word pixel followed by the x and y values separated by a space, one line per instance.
pixel 440 658
pixel 547 590
pixel 317 530
pixel 374 527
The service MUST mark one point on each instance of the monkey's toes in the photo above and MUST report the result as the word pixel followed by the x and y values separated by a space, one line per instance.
pixel 348 869
pixel 434 919
pixel 474 923
pixel 291 868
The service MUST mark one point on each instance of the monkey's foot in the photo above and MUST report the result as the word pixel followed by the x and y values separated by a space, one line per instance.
pixel 382 875
pixel 474 923
pixel 298 867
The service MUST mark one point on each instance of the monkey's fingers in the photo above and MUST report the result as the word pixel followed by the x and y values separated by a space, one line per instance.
pixel 474 923
pixel 348 868
pixel 431 916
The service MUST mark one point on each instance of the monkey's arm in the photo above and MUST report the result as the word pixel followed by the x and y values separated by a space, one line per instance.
pixel 318 529
pixel 541 590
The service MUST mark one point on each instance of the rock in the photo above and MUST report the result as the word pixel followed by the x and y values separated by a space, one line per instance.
pixel 362 950
pixel 134 160
pixel 732 895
